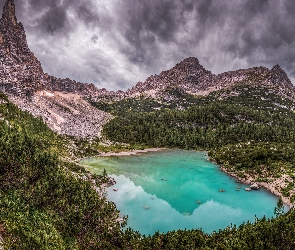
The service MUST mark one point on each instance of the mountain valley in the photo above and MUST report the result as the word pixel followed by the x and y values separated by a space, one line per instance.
pixel 244 119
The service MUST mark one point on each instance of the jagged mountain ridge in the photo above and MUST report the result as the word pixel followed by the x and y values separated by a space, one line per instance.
pixel 22 73
pixel 60 101
pixel 190 77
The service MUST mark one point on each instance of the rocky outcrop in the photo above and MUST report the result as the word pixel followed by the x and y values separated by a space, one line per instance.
pixel 254 186
pixel 279 76
pixel 20 71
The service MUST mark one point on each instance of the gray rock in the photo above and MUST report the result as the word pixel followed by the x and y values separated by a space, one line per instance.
pixel 254 186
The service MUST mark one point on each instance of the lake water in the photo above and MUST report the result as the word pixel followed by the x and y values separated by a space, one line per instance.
pixel 178 189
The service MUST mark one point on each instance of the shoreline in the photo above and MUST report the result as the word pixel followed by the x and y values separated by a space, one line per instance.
pixel 121 153
pixel 131 152
pixel 249 180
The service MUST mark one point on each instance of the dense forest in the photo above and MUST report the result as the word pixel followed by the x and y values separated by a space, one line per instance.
pixel 206 123
pixel 49 203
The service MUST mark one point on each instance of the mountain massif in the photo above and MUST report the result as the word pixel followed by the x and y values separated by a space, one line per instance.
pixel 61 102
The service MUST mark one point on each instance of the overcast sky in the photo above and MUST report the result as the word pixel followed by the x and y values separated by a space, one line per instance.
pixel 116 43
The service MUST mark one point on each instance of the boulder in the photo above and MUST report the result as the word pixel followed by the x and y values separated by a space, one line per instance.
pixel 254 186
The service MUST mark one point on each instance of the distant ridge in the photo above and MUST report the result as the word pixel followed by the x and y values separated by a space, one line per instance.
pixel 190 77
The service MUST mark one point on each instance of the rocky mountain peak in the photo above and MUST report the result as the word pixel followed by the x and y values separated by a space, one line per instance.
pixel 190 65
pixel 8 15
pixel 57 101
pixel 279 76
pixel 190 61
pixel 21 73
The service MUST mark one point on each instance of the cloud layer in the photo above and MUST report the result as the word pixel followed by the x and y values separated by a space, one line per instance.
pixel 115 44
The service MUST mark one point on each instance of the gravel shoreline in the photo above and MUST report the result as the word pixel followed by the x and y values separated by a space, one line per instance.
pixel 133 152
pixel 271 187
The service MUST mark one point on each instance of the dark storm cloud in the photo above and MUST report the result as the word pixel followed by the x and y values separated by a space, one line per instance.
pixel 267 35
pixel 94 38
pixel 116 43
pixel 53 20
pixel 53 16
pixel 150 24
pixel 86 13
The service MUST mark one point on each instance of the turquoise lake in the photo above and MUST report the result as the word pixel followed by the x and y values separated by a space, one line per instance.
pixel 178 189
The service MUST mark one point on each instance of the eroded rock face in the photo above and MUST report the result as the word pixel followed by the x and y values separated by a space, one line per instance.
pixel 65 113
pixel 58 101
pixel 20 71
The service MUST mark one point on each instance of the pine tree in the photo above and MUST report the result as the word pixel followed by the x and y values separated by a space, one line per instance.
pixel 279 209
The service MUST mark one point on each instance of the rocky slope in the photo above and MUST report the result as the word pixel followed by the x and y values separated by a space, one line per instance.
pixel 57 101
pixel 65 113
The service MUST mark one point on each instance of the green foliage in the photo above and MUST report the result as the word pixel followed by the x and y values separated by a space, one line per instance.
pixel 28 227
pixel 46 203
pixel 128 105
pixel 206 126
pixel 279 209
pixel 254 155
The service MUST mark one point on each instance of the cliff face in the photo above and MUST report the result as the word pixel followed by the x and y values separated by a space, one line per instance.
pixel 24 81
pixel 20 71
